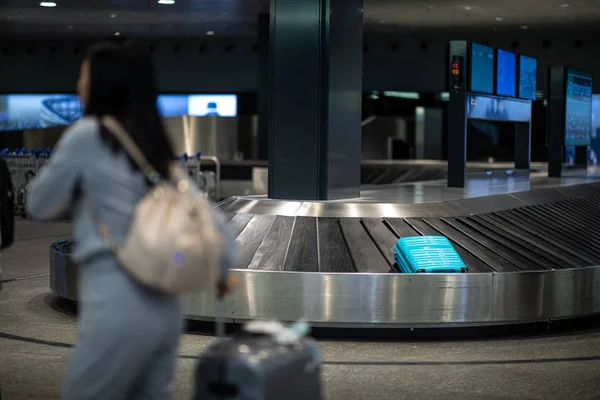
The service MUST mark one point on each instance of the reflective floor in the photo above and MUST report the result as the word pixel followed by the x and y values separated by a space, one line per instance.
pixel 477 185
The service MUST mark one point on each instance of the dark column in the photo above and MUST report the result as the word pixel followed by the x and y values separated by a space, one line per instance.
pixel 522 146
pixel 263 87
pixel 315 86
pixel 555 120
pixel 581 156
pixel 457 115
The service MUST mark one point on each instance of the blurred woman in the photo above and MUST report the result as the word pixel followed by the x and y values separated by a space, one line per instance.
pixel 128 335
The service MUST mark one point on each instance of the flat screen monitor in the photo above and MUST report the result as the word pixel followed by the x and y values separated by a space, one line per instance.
pixel 212 105
pixel 578 110
pixel 527 77
pixel 36 111
pixel 506 73
pixel 482 69
pixel 594 150
pixel 199 105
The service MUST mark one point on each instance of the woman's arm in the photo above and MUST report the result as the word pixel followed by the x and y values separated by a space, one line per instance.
pixel 51 192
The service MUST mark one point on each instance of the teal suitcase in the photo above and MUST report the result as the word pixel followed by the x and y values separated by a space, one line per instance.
pixel 427 254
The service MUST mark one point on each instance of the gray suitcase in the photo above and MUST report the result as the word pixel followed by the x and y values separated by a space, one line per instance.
pixel 258 367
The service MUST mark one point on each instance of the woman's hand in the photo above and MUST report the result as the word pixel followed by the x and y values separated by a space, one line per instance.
pixel 228 286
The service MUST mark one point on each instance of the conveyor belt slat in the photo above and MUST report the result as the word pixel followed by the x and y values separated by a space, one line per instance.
pixel 401 227
pixel 238 223
pixel 334 255
pixel 498 249
pixel 227 216
pixel 536 261
pixel 584 207
pixel 490 260
pixel 547 225
pixel 545 243
pixel 364 252
pixel 382 236
pixel 533 247
pixel 270 255
pixel 579 209
pixel 302 255
pixel 251 237
pixel 472 262
pixel 583 223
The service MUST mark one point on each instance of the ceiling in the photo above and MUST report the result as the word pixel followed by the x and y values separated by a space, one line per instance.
pixel 192 18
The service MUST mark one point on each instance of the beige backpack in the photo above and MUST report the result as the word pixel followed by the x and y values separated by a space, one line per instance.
pixel 173 244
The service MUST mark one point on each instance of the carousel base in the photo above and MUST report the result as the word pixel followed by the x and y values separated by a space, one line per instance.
pixel 533 256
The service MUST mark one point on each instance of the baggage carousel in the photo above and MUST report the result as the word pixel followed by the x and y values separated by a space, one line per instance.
pixel 533 255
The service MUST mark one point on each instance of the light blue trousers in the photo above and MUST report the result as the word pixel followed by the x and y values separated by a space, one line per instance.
pixel 128 338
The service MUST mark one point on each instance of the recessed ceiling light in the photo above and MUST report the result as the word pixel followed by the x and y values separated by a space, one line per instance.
pixel 47 4
pixel 166 1
pixel 468 8
pixel 113 15
pixel 564 5
pixel 117 33
pixel 210 33
pixel 499 19
pixel 524 27
pixel 381 21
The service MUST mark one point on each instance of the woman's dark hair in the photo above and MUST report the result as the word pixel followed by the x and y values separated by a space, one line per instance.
pixel 123 85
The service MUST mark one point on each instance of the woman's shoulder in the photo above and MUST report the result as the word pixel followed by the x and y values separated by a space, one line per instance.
pixel 85 130
pixel 84 125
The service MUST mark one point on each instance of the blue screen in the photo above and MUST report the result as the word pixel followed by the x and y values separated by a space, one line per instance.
pixel 506 79
pixel 482 69
pixel 578 118
pixel 172 105
pixel 35 111
pixel 527 77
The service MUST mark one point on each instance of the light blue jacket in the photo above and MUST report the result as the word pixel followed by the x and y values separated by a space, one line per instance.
pixel 82 164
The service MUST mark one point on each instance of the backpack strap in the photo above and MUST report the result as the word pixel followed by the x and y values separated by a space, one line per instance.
pixel 115 128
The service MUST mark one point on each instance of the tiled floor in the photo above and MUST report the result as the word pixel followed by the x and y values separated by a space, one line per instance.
pixel 33 355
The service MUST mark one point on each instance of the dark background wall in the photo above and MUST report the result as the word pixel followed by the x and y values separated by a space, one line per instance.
pixel 414 62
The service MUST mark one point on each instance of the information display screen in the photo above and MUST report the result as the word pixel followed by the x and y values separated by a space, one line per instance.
pixel 493 108
pixel 35 111
pixel 482 69
pixel 594 150
pixel 578 114
pixel 506 77
pixel 527 77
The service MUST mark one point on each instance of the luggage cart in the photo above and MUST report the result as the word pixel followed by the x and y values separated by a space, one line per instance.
pixel 24 165
pixel 207 181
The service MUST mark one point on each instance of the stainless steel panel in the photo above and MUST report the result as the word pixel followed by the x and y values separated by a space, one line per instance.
pixel 257 205
pixel 263 205
pixel 215 136
pixel 387 300
pixel 546 294
pixel 375 210
pixel 355 299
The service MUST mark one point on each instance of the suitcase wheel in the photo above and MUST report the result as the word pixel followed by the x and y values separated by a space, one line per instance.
pixel 420 271
pixel 464 270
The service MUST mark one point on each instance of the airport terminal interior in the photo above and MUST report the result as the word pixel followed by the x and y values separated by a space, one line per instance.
pixel 324 141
